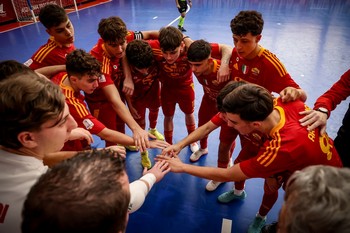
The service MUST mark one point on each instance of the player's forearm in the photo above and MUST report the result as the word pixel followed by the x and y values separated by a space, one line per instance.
pixel 226 52
pixel 139 190
pixel 116 137
pixel 210 173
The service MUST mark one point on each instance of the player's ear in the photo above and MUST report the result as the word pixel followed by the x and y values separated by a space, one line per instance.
pixel 258 38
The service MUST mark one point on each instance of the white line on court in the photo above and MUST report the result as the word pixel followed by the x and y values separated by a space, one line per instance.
pixel 188 9
pixel 226 225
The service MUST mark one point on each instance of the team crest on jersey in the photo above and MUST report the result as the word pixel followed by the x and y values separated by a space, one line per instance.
pixel 88 124
pixel 244 69
pixel 255 71
pixel 102 79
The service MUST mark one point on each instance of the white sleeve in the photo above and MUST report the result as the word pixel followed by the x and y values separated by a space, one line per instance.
pixel 139 190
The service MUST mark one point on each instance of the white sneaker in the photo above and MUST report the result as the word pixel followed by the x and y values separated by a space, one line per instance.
pixel 194 147
pixel 198 154
pixel 212 185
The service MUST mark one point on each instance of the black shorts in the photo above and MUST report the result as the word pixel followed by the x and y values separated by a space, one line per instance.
pixel 183 7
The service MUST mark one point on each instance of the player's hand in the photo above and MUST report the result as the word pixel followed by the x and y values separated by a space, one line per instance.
pixel 119 149
pixel 171 150
pixel 289 94
pixel 140 137
pixel 158 144
pixel 81 134
pixel 159 170
pixel 314 119
pixel 176 165
pixel 223 74
pixel 128 87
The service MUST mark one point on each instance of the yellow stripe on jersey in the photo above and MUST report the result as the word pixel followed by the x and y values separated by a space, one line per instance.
pixel 105 65
pixel 81 109
pixel 44 51
pixel 275 62
pixel 272 150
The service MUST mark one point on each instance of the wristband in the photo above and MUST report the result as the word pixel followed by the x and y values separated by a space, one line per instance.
pixel 323 110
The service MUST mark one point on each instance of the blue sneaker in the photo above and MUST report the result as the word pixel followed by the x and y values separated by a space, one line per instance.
pixel 230 196
pixel 257 225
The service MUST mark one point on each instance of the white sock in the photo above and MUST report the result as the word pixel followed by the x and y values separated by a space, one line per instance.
pixel 262 217
pixel 238 192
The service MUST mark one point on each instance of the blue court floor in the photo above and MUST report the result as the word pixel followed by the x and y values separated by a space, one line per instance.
pixel 311 38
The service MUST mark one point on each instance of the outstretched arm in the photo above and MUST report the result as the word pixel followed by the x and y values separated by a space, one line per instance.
pixel 140 135
pixel 233 173
pixel 141 187
pixel 196 135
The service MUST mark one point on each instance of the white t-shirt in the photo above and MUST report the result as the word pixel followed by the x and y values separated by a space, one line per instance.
pixel 18 174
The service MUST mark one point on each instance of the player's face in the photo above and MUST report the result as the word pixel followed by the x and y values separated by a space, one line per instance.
pixel 63 33
pixel 172 56
pixel 247 45
pixel 116 49
pixel 200 68
pixel 51 137
pixel 87 83
pixel 242 126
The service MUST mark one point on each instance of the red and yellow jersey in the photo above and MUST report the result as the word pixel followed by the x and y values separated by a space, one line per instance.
pixel 173 76
pixel 265 70
pixel 111 68
pixel 51 53
pixel 144 82
pixel 209 82
pixel 290 146
pixel 77 107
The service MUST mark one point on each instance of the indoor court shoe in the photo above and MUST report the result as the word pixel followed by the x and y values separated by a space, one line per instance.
pixel 257 225
pixel 195 156
pixel 212 185
pixel 270 228
pixel 131 148
pixel 155 132
pixel 230 196
pixel 145 161
pixel 194 147
pixel 181 28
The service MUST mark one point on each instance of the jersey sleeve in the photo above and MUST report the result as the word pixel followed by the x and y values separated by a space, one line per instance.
pixel 218 120
pixel 215 51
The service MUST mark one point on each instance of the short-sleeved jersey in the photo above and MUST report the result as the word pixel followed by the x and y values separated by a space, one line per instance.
pixel 218 119
pixel 49 54
pixel 209 82
pixel 173 76
pixel 142 82
pixel 290 146
pixel 265 70
pixel 112 73
pixel 77 107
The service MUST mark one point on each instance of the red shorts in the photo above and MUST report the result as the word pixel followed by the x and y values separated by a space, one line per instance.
pixel 184 97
